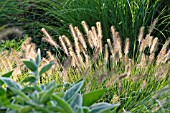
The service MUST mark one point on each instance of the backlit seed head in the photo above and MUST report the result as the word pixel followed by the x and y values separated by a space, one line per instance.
pixel 127 45
pixel 153 25
pixel 86 29
pixel 141 33
pixel 154 45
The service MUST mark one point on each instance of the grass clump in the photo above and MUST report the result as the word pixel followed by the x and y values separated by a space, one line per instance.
pixel 135 82
pixel 55 16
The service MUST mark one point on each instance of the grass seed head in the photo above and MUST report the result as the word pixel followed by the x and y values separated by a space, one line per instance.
pixel 63 45
pixel 153 25
pixel 141 33
pixel 154 45
pixel 106 55
pixel 85 26
pixel 127 45
pixel 81 38
pixel 49 39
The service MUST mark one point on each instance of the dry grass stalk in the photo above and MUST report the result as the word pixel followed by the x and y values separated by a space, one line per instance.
pixel 80 60
pixel 118 45
pixel 150 40
pixel 16 72
pixel 63 45
pixel 127 45
pixel 73 33
pixel 76 45
pixel 141 33
pixel 85 27
pixel 53 59
pixel 143 60
pixel 142 45
pixel 85 55
pixel 49 39
pixel 166 44
pixel 99 31
pixel 67 41
pixel 111 47
pixel 74 61
pixel 93 29
pixel 115 42
pixel 128 67
pixel 106 55
pixel 113 33
pixel 151 57
pixel 153 25
pixel 166 57
pixel 162 53
pixel 92 41
pixel 29 49
pixel 80 37
pixel 154 45
pixel 126 49
pixel 147 40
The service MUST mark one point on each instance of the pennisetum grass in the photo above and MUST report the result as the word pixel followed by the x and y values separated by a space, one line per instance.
pixel 129 80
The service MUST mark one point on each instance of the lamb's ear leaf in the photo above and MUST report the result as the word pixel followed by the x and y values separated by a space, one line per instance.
pixel 102 107
pixel 31 65
pixel 46 68
pixel 63 104
pixel 73 91
pixel 10 83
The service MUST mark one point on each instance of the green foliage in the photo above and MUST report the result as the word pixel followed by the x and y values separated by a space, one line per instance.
pixel 47 98
pixel 127 16
pixel 34 67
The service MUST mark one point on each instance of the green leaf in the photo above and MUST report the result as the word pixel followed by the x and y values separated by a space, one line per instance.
pixel 3 97
pixel 91 97
pixel 14 107
pixel 30 79
pixel 71 92
pixel 60 94
pixel 102 107
pixel 10 83
pixel 76 102
pixel 51 84
pixel 31 65
pixel 57 109
pixel 46 95
pixel 38 58
pixel 35 96
pixel 85 109
pixel 63 104
pixel 26 109
pixel 46 68
pixel 8 74
pixel 79 110
pixel 21 94
pixel 28 89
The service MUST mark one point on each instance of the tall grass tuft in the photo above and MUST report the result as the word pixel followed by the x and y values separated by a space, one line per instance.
pixel 127 16
pixel 132 81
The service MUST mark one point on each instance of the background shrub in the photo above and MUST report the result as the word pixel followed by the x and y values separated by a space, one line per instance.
pixel 127 16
